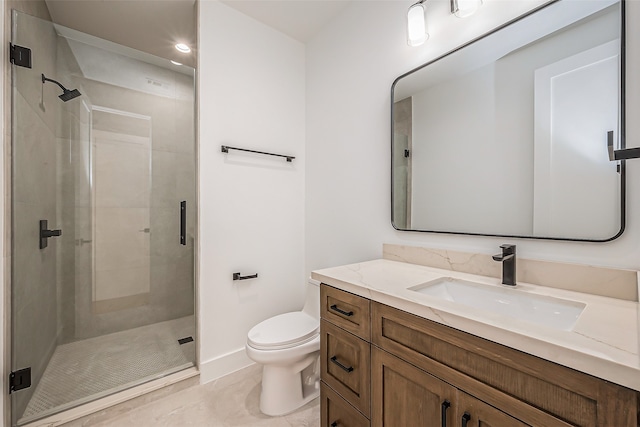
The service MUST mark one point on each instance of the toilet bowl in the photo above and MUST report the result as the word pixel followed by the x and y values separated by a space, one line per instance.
pixel 288 347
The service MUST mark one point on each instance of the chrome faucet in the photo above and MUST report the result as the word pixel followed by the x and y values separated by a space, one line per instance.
pixel 508 260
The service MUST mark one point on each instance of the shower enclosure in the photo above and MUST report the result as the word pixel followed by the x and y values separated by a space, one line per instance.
pixel 103 217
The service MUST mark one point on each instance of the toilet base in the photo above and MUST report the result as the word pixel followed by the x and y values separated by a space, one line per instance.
pixel 287 388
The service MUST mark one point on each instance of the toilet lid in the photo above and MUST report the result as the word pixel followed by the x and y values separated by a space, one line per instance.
pixel 284 331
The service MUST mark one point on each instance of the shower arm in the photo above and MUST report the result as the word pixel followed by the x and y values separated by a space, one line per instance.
pixel 45 79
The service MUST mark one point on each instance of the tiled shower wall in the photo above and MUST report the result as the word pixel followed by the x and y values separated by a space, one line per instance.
pixel 172 172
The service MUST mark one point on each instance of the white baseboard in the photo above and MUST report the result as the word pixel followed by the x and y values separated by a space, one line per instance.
pixel 225 364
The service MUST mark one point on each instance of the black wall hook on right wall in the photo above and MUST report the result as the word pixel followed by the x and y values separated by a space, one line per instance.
pixel 622 154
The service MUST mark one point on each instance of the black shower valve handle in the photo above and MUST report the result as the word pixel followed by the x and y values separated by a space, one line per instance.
pixel 45 233
pixel 51 233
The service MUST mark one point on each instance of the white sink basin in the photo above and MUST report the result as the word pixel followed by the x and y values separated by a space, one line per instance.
pixel 543 310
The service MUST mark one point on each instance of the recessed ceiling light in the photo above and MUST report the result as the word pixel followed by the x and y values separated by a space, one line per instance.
pixel 183 48
pixel 176 62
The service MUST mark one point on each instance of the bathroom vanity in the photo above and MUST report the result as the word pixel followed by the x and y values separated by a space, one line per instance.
pixel 393 355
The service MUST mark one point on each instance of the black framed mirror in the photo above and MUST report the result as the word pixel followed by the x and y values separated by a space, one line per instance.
pixel 507 135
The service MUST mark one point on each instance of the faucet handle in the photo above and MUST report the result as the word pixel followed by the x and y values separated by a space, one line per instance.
pixel 508 249
pixel 508 259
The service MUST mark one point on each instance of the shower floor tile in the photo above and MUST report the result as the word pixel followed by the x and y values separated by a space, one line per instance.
pixel 86 370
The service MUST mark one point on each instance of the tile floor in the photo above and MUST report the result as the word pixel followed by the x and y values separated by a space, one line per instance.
pixel 84 370
pixel 228 402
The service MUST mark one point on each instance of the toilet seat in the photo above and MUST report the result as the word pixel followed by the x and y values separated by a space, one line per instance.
pixel 283 331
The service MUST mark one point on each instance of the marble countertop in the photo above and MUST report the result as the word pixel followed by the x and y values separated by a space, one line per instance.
pixel 604 341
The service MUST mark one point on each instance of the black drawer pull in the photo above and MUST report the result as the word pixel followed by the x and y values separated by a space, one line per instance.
pixel 334 424
pixel 465 419
pixel 334 359
pixel 443 415
pixel 346 313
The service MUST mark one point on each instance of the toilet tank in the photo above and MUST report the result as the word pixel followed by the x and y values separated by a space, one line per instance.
pixel 312 302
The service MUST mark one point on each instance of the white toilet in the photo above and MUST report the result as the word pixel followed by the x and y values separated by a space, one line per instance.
pixel 288 345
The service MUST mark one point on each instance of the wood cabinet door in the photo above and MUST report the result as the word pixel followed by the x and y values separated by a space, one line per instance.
pixel 351 312
pixel 344 365
pixel 403 395
pixel 472 412
pixel 336 412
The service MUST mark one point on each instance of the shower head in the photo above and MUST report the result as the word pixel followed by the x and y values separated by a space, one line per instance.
pixel 66 93
pixel 69 94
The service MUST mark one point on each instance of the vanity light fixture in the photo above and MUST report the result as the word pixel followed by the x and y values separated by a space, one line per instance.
pixel 181 47
pixel 464 8
pixel 416 24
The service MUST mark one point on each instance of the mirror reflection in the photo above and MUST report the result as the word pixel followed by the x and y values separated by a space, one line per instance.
pixel 507 135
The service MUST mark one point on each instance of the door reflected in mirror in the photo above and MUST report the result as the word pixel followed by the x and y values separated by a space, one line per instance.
pixel 507 135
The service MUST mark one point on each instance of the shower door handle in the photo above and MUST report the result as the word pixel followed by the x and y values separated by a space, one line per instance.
pixel 183 222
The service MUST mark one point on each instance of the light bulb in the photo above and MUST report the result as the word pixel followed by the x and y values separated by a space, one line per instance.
pixel 464 8
pixel 181 47
pixel 416 25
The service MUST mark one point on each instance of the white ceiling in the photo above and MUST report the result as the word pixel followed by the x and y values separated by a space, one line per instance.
pixel 299 19
pixel 152 26
pixel 155 26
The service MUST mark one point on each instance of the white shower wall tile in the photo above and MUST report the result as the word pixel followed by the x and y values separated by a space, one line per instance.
pixel 121 282
pixel 121 241
pixel 122 170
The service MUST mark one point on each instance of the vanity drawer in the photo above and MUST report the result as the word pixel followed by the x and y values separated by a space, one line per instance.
pixel 336 412
pixel 532 387
pixel 346 310
pixel 345 365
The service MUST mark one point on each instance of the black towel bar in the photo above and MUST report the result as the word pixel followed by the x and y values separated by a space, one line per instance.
pixel 226 148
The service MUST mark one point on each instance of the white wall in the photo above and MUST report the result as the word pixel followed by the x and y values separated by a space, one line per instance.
pixel 251 95
pixel 350 68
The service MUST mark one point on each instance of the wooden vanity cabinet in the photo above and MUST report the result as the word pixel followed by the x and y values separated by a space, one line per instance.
pixel 345 365
pixel 474 412
pixel 336 412
pixel 404 395
pixel 410 371
pixel 345 359
pixel 347 311
pixel 490 377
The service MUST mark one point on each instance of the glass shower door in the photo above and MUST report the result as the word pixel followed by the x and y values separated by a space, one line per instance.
pixel 107 301
pixel 50 182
